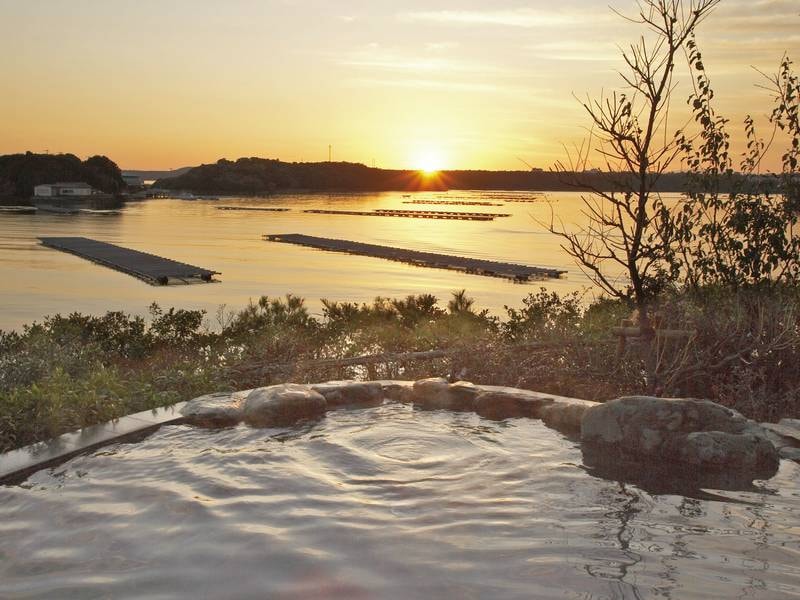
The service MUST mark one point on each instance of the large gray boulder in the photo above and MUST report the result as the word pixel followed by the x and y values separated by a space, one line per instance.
pixel 700 433
pixel 719 450
pixel 282 405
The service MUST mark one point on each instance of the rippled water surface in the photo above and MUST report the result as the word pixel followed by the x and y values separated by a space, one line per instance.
pixel 385 502
pixel 36 281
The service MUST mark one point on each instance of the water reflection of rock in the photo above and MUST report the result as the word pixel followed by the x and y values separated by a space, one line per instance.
pixel 660 477
pixel 617 525
pixel 632 532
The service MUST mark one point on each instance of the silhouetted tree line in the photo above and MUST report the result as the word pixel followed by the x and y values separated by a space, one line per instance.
pixel 260 175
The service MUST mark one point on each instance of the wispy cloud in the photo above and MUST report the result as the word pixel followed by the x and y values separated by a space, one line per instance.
pixel 431 84
pixel 521 17
pixel 400 63
pixel 441 46
pixel 748 18
pixel 761 7
pixel 574 50
pixel 373 56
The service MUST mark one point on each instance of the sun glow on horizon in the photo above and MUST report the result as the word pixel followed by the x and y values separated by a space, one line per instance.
pixel 429 160
pixel 430 98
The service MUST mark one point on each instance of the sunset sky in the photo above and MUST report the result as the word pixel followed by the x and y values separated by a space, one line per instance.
pixel 452 84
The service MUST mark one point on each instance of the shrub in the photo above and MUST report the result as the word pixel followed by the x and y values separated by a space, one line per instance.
pixel 68 372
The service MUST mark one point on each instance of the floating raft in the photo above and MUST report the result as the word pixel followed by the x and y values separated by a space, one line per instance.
pixel 411 214
pixel 535 200
pixel 452 202
pixel 153 269
pixel 259 208
pixel 424 259
pixel 402 212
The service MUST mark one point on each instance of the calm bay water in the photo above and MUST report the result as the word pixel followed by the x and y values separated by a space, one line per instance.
pixel 37 281
pixel 387 502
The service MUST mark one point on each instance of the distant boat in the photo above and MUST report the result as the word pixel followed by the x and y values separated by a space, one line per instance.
pixel 191 196
pixel 61 210
pixel 18 209
pixel 93 211
pixel 406 195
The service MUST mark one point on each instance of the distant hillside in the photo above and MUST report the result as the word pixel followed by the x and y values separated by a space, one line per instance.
pixel 260 176
pixel 20 173
pixel 153 175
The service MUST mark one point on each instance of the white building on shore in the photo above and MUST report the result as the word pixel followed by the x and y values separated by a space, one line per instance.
pixel 132 180
pixel 63 190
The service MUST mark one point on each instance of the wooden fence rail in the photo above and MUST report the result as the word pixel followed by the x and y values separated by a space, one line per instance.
pixel 367 359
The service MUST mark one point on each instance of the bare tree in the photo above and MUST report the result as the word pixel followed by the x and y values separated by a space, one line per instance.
pixel 629 226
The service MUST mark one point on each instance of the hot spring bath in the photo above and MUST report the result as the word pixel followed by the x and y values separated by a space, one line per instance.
pixel 384 502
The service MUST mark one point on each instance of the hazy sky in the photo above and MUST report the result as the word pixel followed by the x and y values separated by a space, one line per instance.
pixel 475 84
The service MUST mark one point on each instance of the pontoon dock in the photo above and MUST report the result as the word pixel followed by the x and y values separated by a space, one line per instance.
pixel 153 269
pixel 424 259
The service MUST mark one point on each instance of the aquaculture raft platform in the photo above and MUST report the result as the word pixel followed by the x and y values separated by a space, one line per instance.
pixel 424 259
pixel 258 208
pixel 452 202
pixel 415 213
pixel 412 214
pixel 150 268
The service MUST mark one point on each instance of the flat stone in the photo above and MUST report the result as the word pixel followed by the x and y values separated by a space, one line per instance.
pixel 518 391
pixel 463 395
pixel 510 404
pixel 42 454
pixel 560 412
pixel 566 414
pixel 431 392
pixel 214 410
pixel 162 415
pixel 777 440
pixel 131 425
pixel 398 390
pixel 17 465
pixel 341 393
pixel 282 405
pixel 788 428
pixel 437 393
pixel 790 453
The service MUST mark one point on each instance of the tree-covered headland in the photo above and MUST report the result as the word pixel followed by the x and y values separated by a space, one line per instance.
pixel 20 173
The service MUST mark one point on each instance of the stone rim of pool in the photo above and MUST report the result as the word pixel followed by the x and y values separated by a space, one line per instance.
pixel 636 438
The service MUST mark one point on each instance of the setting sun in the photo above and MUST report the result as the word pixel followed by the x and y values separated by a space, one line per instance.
pixel 429 160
